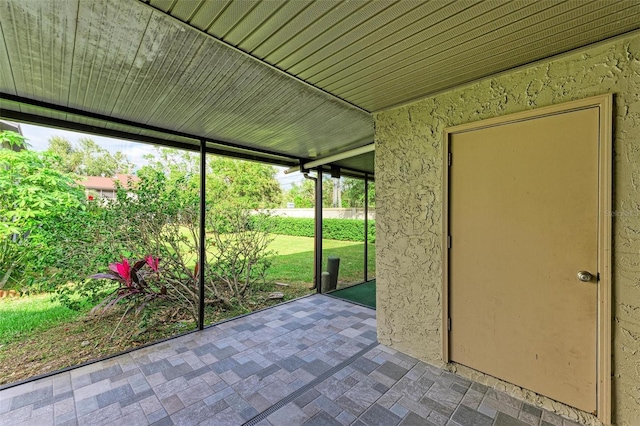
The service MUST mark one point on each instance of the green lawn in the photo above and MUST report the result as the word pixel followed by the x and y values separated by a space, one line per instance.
pixel 28 314
pixel 294 260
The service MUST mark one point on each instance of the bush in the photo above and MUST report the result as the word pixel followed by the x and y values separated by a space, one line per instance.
pixel 332 229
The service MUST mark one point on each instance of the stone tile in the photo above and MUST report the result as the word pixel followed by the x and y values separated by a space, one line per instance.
pixel 472 399
pixel 392 370
pixel 504 398
pixel 327 405
pixel 528 418
pixel 289 414
pixel 172 404
pixel 466 416
pixel 364 365
pixel 378 415
pixel 323 419
pixel 86 406
pixel 306 397
pixel 268 371
pixel 106 373
pixel 552 418
pixel 28 398
pixel 316 367
pixel 349 405
pixel 503 419
pixel 412 419
pixel 194 394
pixel 101 416
pixel 157 415
pixel 535 411
pixel 478 387
pixel 420 409
pixel 259 402
pixel 247 369
pixel 118 394
pixel 436 406
pixel 488 411
pixel 445 396
pixel 291 363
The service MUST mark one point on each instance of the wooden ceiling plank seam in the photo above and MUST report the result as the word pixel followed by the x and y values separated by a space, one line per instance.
pixel 425 33
pixel 486 42
pixel 204 18
pixel 254 23
pixel 315 30
pixel 274 128
pixel 383 37
pixel 353 32
pixel 73 54
pixel 171 78
pixel 6 69
pixel 337 80
pixel 118 93
pixel 270 26
pixel 216 87
pixel 136 103
pixel 235 104
pixel 116 67
pixel 630 24
pixel 160 69
pixel 164 5
pixel 431 36
pixel 463 49
pixel 185 10
pixel 229 94
pixel 288 107
pixel 59 109
pixel 90 88
pixel 238 21
pixel 219 98
pixel 233 13
pixel 279 71
pixel 292 27
pixel 389 83
pixel 74 89
pixel 186 95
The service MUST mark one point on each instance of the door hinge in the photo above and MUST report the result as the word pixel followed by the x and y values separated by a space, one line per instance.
pixel 449 159
pixel 448 241
pixel 449 324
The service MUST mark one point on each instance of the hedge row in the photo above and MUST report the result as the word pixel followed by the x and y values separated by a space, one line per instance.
pixel 332 229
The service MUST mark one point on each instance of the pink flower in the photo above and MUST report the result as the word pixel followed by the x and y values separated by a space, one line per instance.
pixel 153 262
pixel 123 269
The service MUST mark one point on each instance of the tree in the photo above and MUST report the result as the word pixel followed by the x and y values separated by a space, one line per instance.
pixel 32 193
pixel 242 183
pixel 302 195
pixel 88 159
pixel 229 182
pixel 353 193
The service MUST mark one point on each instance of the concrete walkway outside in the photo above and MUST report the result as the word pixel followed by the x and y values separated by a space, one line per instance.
pixel 314 361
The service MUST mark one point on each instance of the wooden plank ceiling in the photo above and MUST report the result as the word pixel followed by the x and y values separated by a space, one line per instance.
pixel 297 79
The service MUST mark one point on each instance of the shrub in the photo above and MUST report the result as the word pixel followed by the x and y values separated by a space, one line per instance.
pixel 332 229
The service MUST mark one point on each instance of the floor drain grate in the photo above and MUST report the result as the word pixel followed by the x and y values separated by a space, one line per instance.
pixel 324 376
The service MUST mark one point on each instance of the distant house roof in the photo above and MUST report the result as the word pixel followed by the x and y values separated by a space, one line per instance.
pixel 107 183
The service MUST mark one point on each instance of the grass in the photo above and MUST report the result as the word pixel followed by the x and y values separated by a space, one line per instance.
pixel 29 314
pixel 46 336
pixel 293 263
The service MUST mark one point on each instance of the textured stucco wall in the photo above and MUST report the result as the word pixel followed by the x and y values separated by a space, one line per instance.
pixel 409 192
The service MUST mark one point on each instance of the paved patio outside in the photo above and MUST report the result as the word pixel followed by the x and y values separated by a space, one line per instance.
pixel 314 361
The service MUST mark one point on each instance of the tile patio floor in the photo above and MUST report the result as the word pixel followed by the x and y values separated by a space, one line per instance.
pixel 314 361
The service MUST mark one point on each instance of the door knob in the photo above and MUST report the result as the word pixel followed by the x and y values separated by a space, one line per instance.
pixel 585 276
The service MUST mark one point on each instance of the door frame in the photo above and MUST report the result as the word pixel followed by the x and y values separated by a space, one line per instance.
pixel 605 105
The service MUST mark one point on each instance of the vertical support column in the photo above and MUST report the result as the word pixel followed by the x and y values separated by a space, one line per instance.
pixel 202 254
pixel 366 227
pixel 317 250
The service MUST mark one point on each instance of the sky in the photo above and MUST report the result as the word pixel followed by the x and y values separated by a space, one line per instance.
pixel 38 139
